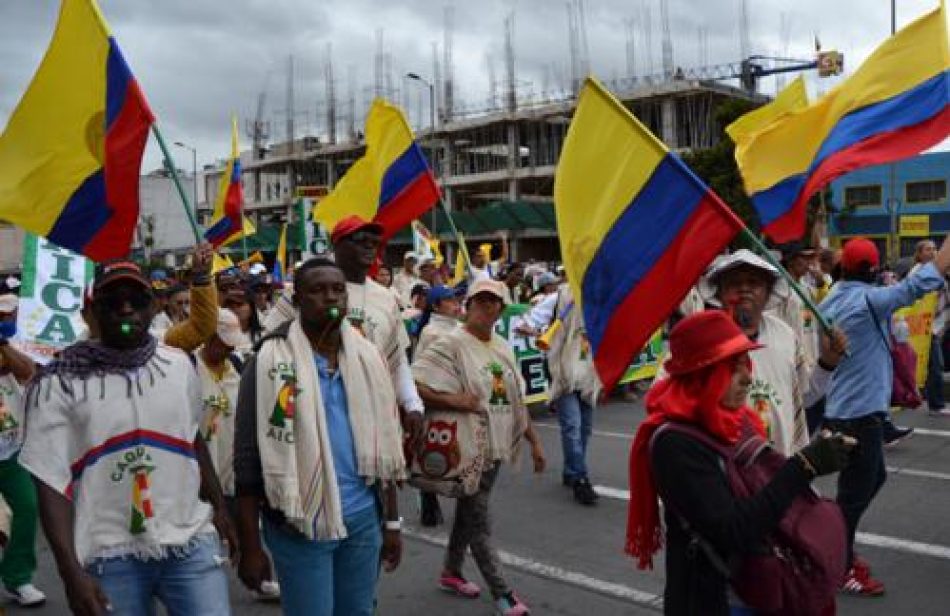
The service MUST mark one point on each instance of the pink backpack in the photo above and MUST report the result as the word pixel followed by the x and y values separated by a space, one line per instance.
pixel 804 560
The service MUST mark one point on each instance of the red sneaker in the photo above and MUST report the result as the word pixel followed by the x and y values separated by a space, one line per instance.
pixel 860 582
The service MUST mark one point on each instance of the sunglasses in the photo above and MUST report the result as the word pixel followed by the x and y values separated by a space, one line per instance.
pixel 117 301
pixel 365 239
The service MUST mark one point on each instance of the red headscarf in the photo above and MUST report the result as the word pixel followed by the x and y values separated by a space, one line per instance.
pixel 692 398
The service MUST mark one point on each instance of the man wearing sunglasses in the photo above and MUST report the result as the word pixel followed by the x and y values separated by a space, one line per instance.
pixel 121 472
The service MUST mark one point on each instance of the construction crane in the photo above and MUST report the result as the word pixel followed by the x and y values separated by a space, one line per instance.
pixel 754 68
pixel 258 130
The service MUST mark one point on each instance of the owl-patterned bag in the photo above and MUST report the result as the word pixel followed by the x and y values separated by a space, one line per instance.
pixel 453 454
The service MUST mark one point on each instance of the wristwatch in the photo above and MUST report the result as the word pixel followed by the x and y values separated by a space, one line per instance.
pixel 395 525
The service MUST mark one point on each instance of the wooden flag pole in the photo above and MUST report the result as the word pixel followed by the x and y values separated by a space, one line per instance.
pixel 170 165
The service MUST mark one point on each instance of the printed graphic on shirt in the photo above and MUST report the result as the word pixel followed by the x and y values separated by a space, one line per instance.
pixel 363 322
pixel 764 400
pixel 441 451
pixel 135 465
pixel 9 426
pixel 499 393
pixel 585 345
pixel 216 408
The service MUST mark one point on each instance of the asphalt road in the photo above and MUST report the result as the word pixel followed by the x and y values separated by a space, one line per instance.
pixel 562 558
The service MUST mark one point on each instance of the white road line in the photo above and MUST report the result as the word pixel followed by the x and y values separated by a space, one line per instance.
pixel 913 472
pixel 556 574
pixel 929 432
pixel 869 539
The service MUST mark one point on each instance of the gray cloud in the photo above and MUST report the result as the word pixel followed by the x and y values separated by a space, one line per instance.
pixel 200 60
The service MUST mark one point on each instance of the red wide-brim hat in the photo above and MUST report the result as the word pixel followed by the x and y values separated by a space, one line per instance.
pixel 704 339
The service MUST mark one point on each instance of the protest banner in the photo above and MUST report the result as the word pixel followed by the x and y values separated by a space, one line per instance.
pixel 534 369
pixel 51 296
pixel 919 317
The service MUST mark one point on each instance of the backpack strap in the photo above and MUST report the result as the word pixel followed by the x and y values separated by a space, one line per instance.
pixel 724 455
pixel 877 324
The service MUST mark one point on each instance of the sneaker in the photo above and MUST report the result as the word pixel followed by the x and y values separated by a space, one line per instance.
pixel 27 595
pixel 431 514
pixel 894 434
pixel 859 582
pixel 460 586
pixel 510 605
pixel 269 592
pixel 584 492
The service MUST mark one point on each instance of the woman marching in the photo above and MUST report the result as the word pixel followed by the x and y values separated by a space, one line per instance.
pixel 476 413
pixel 707 525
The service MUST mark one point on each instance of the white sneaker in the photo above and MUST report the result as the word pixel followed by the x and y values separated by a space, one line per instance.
pixel 27 595
pixel 268 592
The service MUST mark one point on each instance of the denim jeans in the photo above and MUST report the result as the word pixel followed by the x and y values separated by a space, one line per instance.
pixel 187 584
pixel 860 481
pixel 934 385
pixel 576 418
pixel 327 578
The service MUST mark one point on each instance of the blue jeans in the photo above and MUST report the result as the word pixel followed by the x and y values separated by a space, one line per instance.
pixel 576 418
pixel 327 578
pixel 934 385
pixel 860 481
pixel 192 583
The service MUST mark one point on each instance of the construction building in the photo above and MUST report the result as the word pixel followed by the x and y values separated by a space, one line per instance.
pixel 496 170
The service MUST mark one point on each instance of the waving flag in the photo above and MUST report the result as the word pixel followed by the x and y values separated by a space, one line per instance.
pixel 392 184
pixel 226 225
pixel 71 153
pixel 792 98
pixel 637 227
pixel 280 259
pixel 896 105
pixel 424 244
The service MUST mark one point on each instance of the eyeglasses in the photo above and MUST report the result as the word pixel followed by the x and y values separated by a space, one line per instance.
pixel 365 239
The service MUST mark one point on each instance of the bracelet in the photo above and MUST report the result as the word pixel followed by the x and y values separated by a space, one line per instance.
pixel 806 464
pixel 395 525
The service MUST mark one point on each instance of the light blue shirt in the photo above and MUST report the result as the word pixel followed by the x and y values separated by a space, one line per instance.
pixel 355 495
pixel 862 383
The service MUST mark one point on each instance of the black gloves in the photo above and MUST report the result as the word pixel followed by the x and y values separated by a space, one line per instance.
pixel 827 453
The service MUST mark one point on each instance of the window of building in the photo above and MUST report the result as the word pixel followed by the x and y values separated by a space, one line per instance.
pixel 931 191
pixel 862 196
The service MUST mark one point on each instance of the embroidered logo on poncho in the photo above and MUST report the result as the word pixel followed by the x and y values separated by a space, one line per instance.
pixel 285 409
pixel 7 420
pixel 499 393
pixel 764 401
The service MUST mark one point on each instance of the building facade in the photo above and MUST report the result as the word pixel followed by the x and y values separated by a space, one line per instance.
pixel 894 205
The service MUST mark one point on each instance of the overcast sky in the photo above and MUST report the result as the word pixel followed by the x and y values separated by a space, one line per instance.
pixel 198 61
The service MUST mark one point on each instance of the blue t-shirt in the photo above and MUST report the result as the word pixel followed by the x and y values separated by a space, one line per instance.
pixel 355 495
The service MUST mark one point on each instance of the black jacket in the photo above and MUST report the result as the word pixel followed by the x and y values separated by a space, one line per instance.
pixel 691 481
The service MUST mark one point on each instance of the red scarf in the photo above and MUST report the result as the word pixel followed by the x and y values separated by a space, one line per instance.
pixel 691 398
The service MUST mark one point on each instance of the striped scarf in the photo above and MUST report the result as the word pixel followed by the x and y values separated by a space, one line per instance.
pixel 293 438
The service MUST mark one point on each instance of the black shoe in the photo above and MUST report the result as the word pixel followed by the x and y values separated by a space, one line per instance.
pixel 893 434
pixel 431 514
pixel 567 482
pixel 584 492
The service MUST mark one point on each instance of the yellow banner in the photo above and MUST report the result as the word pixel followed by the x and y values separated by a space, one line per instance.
pixel 919 318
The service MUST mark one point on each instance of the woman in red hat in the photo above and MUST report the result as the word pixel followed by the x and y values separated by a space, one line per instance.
pixel 708 383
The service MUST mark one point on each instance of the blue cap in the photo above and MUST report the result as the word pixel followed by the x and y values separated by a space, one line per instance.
pixel 439 293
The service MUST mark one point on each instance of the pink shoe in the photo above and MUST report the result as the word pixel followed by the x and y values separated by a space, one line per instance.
pixel 510 605
pixel 459 586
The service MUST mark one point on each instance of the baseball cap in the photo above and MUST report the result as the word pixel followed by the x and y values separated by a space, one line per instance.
pixel 350 225
pixel 410 255
pixel 494 287
pixel 547 278
pixel 229 328
pixel 439 293
pixel 857 251
pixel 113 271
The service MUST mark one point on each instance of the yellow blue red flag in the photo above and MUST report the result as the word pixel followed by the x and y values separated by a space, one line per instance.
pixel 637 227
pixel 391 185
pixel 227 221
pixel 792 98
pixel 280 260
pixel 71 153
pixel 895 105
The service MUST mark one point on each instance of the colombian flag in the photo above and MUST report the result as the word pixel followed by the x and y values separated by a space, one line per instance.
pixel 280 259
pixel 226 225
pixel 637 227
pixel 71 153
pixel 896 105
pixel 392 184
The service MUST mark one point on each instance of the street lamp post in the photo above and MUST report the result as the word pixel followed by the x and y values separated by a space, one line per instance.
pixel 431 86
pixel 194 175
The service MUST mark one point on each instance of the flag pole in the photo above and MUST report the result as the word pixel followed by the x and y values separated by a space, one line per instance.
pixel 763 251
pixel 170 165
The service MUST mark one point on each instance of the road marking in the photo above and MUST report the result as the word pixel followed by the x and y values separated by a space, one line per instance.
pixel 556 574
pixel 912 472
pixel 929 432
pixel 870 539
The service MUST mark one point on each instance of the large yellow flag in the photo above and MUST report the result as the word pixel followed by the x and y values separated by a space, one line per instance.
pixel 792 98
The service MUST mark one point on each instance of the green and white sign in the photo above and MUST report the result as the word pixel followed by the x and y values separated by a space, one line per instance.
pixel 51 296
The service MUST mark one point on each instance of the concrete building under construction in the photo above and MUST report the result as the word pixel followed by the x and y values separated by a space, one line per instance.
pixel 496 170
